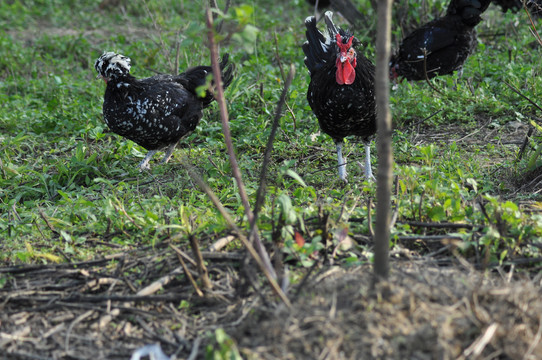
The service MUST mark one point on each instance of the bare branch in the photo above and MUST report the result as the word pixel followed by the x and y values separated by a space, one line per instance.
pixel 263 175
pixel 385 156
pixel 216 202
pixel 202 269
pixel 219 95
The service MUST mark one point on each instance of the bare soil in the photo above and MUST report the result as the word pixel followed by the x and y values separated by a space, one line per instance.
pixel 106 309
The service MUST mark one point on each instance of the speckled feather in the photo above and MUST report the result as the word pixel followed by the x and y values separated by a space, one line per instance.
pixel 343 107
pixel 154 112
pixel 341 110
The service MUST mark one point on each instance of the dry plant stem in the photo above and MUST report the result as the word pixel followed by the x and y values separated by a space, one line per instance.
pixel 219 95
pixel 478 346
pixel 516 90
pixel 160 283
pixel 272 280
pixel 44 219
pixel 425 71
pixel 370 218
pixel 202 269
pixel 424 119
pixel 189 276
pixel 221 243
pixel 269 148
pixel 195 348
pixel 533 27
pixel 277 56
pixel 385 157
pixel 183 254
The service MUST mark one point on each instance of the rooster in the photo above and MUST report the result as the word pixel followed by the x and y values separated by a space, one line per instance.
pixel 154 112
pixel 341 91
pixel 441 46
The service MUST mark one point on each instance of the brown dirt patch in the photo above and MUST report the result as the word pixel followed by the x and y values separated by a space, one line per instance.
pixel 423 312
pixel 99 310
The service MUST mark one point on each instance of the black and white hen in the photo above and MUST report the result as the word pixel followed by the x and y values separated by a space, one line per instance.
pixel 441 46
pixel 154 112
pixel 341 91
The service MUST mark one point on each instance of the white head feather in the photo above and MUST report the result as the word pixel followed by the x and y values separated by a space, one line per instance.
pixel 110 65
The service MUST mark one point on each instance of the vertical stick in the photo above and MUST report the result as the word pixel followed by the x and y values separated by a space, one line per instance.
pixel 219 95
pixel 385 156
pixel 202 269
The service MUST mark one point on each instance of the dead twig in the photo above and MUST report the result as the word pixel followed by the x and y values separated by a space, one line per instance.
pixel 524 144
pixel 475 131
pixel 268 149
pixel 183 254
pixel 202 269
pixel 370 217
pixel 221 243
pixel 195 348
pixel 279 61
pixel 481 342
pixel 216 202
pixel 219 95
pixel 535 341
pixel 516 90
pixel 42 215
pixel 533 26
pixel 122 210
pixel 189 276
pixel 70 328
pixel 437 225
pixel 425 119
pixel 429 238
pixel 160 283
pixel 425 53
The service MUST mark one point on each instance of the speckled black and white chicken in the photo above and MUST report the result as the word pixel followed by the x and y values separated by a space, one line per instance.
pixel 154 112
pixel 341 91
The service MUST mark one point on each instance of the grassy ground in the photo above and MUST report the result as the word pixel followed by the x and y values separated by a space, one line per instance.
pixel 70 187
pixel 70 190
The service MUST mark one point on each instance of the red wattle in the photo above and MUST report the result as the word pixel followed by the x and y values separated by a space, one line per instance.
pixel 339 74
pixel 349 73
pixel 345 73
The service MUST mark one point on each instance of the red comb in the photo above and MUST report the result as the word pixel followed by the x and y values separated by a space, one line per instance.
pixel 344 47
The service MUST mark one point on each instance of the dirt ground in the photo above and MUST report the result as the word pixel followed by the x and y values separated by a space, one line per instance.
pixel 105 309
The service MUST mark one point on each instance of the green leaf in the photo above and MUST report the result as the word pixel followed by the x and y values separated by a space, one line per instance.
pixel 296 177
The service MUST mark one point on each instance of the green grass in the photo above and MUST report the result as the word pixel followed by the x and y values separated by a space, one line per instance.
pixel 69 189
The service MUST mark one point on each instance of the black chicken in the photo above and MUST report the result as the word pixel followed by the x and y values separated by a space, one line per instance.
pixel 441 46
pixel 534 6
pixel 341 91
pixel 513 5
pixel 154 112
pixel 321 3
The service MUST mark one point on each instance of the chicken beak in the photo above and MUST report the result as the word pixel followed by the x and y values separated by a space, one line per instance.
pixel 102 77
